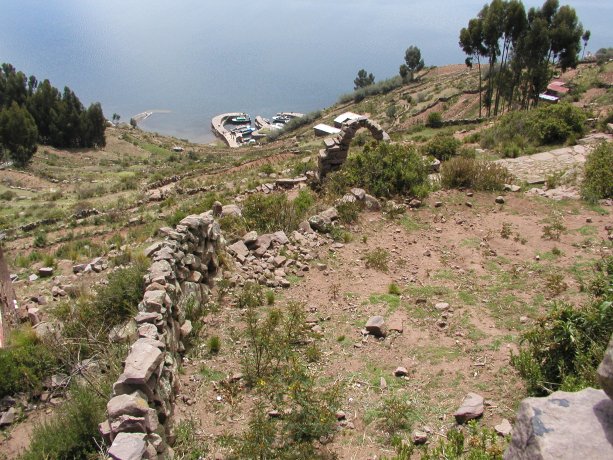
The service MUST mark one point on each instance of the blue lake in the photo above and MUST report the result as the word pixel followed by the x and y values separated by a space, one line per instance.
pixel 193 59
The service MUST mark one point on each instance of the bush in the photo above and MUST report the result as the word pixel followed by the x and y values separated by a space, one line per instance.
pixel 443 147
pixel 25 363
pixel 73 432
pixel 378 259
pixel 598 182
pixel 88 321
pixel 270 213
pixel 564 348
pixel 435 120
pixel 550 124
pixel 384 170
pixel 461 172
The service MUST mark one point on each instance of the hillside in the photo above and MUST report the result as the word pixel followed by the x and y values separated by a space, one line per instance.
pixel 458 275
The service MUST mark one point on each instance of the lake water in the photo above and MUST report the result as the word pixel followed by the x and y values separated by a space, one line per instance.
pixel 192 59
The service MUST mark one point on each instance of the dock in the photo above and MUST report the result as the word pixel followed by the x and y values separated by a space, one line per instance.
pixel 218 128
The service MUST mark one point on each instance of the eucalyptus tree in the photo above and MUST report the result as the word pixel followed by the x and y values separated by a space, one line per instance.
pixel 363 79
pixel 414 63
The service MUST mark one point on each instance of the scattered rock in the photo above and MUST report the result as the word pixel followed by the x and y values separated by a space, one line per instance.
pixel 401 371
pixel 45 272
pixel 186 328
pixel 419 437
pixel 511 188
pixel 376 326
pixel 438 204
pixel 32 277
pixel 500 199
pixel 471 408
pixel 442 306
pixel 8 417
pixel 469 204
pixel 504 428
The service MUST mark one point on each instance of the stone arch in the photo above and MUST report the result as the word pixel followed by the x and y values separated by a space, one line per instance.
pixel 332 157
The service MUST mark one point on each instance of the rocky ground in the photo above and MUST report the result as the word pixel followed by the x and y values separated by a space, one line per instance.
pixel 472 274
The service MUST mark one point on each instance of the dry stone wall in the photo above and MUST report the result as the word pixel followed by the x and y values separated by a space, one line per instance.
pixel 184 265
pixel 332 157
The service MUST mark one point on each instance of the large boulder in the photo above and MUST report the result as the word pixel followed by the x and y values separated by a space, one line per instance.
pixel 605 370
pixel 564 426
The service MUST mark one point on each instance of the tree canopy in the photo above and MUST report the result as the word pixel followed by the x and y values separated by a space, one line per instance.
pixel 520 48
pixel 59 119
pixel 363 79
pixel 414 63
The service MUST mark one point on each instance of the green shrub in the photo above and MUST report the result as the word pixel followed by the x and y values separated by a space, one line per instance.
pixel 378 259
pixel 75 250
pixel 348 212
pixel 461 172
pixel 40 240
pixel 381 87
pixel 73 431
pixel 564 348
pixel 303 202
pixel 549 124
pixel 443 147
pixel 384 170
pixel 25 363
pixel 7 195
pixel 479 443
pixel 188 445
pixel 395 413
pixel 435 120
pixel 88 320
pixel 213 344
pixel 598 182
pixel 270 213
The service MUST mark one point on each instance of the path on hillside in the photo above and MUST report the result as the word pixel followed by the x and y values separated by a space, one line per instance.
pixel 534 169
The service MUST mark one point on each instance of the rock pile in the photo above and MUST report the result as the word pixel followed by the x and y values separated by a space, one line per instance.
pixel 183 267
pixel 336 148
pixel 270 258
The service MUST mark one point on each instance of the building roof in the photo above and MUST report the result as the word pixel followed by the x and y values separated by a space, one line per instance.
pixel 326 129
pixel 558 87
pixel 548 97
pixel 343 117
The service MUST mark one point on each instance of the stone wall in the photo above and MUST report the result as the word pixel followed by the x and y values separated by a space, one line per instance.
pixel 184 265
pixel 332 157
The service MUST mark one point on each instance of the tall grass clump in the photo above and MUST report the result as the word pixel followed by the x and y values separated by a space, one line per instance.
pixel 462 172
pixel 273 212
pixel 598 181
pixel 72 433
pixel 384 170
pixel 25 363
